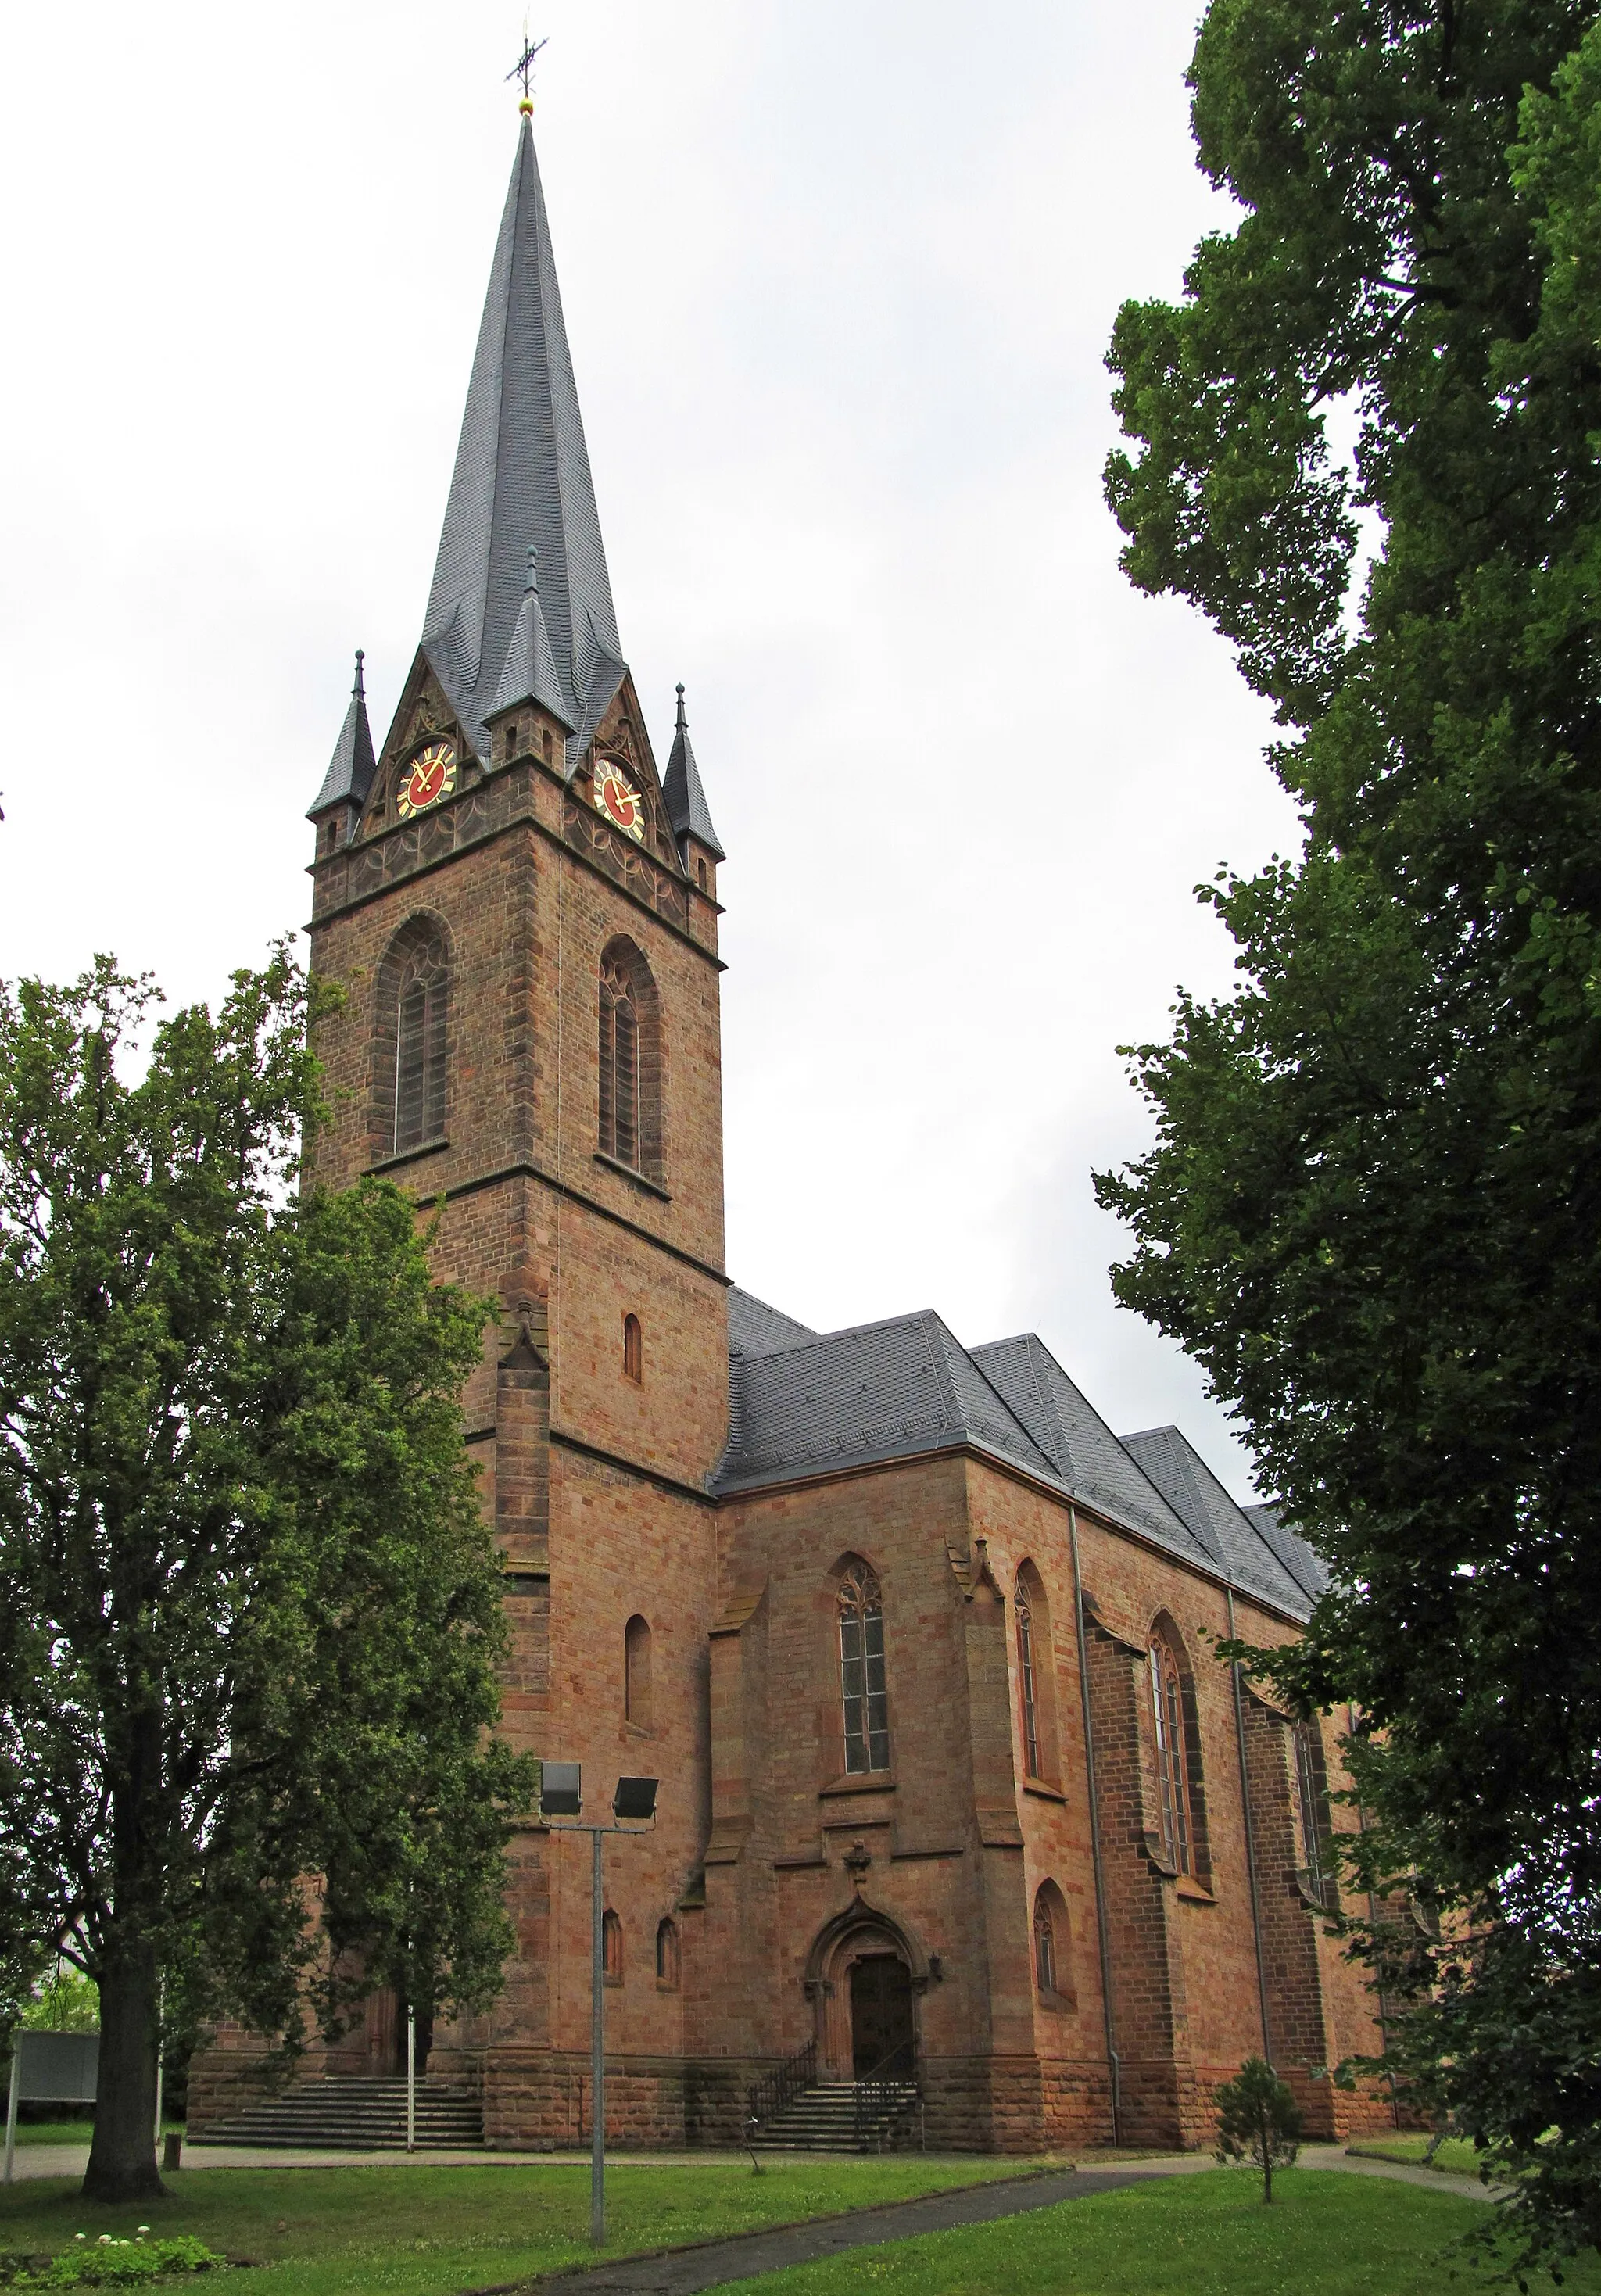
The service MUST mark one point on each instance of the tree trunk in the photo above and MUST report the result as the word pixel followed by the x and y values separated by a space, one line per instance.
pixel 122 2158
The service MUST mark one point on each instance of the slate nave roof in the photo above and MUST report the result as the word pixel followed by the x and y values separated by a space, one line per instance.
pixel 803 1401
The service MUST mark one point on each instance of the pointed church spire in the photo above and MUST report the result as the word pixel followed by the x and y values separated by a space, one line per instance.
pixel 522 477
pixel 686 800
pixel 351 769
pixel 531 674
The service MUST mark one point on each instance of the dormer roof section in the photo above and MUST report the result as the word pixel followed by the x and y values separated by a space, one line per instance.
pixel 351 768
pixel 522 481
pixel 529 673
pixel 681 790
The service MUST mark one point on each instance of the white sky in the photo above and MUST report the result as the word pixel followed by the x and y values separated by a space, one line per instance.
pixel 839 281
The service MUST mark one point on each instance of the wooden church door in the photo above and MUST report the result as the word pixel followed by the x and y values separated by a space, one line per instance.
pixel 882 2040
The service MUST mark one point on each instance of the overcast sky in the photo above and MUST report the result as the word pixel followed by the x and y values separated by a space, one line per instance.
pixel 839 281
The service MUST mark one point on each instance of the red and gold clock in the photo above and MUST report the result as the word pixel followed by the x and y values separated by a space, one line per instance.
pixel 616 796
pixel 429 776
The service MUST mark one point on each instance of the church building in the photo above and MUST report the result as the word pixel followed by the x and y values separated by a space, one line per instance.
pixel 965 1835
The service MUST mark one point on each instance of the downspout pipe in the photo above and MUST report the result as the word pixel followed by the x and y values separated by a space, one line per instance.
pixel 1113 2062
pixel 1256 1906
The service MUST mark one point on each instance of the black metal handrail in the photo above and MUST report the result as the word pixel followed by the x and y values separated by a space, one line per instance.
pixel 774 2090
pixel 882 2096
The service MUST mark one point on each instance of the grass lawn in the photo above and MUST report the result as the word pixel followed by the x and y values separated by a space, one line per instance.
pixel 1456 2154
pixel 1327 2233
pixel 432 2231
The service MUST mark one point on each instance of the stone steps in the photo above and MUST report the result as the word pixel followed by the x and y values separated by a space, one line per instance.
pixel 355 2115
pixel 824 2119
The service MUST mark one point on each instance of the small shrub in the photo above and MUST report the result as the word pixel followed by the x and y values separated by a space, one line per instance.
pixel 1259 2120
pixel 110 2263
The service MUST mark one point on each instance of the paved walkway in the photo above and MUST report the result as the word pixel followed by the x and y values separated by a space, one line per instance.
pixel 681 2272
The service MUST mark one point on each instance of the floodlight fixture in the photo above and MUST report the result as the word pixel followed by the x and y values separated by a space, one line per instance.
pixel 635 1798
pixel 560 1791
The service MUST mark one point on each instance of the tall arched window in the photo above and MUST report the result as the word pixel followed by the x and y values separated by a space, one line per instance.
pixel 667 1954
pixel 630 1060
pixel 1311 1812
pixel 637 1673
pixel 1171 1747
pixel 611 1947
pixel 413 1038
pixel 1028 1686
pixel 862 1686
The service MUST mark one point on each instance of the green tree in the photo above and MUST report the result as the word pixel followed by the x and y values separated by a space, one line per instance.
pixel 248 1606
pixel 1259 2120
pixel 1373 1209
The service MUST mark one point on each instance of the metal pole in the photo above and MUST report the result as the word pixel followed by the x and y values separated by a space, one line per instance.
pixel 160 2006
pixel 411 2079
pixel 11 2102
pixel 597 2052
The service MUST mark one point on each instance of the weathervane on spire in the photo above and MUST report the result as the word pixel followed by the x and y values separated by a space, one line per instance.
pixel 523 69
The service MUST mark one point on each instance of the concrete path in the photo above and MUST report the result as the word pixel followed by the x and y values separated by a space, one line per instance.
pixel 682 2271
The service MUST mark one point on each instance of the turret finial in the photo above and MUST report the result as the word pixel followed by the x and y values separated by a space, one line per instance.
pixel 681 721
pixel 523 70
pixel 359 688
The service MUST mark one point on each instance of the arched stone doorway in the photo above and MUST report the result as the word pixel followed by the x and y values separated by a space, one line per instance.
pixel 865 1976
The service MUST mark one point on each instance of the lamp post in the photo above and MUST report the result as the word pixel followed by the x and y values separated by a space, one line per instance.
pixel 560 1796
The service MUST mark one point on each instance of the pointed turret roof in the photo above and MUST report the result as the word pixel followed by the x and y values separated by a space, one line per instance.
pixel 351 768
pixel 686 800
pixel 530 673
pixel 522 477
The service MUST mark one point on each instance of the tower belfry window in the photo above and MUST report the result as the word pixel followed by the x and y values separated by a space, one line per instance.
pixel 413 1039
pixel 630 1060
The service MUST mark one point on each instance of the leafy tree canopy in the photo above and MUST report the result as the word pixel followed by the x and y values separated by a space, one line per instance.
pixel 1372 1210
pixel 248 1606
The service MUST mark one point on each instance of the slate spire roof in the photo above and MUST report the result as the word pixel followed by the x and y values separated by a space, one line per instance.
pixel 522 477
pixel 351 769
pixel 686 800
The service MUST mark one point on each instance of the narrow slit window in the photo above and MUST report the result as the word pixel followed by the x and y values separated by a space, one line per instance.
pixel 866 1699
pixel 1045 1945
pixel 611 1947
pixel 633 1350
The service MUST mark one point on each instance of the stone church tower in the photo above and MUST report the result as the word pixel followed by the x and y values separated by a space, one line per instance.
pixel 524 912
pixel 963 1830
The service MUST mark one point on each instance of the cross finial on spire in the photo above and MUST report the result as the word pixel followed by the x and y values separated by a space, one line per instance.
pixel 523 70
pixel 359 687
pixel 681 721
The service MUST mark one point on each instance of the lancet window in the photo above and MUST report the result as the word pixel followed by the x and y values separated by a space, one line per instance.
pixel 862 1689
pixel 1172 1751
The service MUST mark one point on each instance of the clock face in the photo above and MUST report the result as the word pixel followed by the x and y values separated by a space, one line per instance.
pixel 616 796
pixel 429 776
